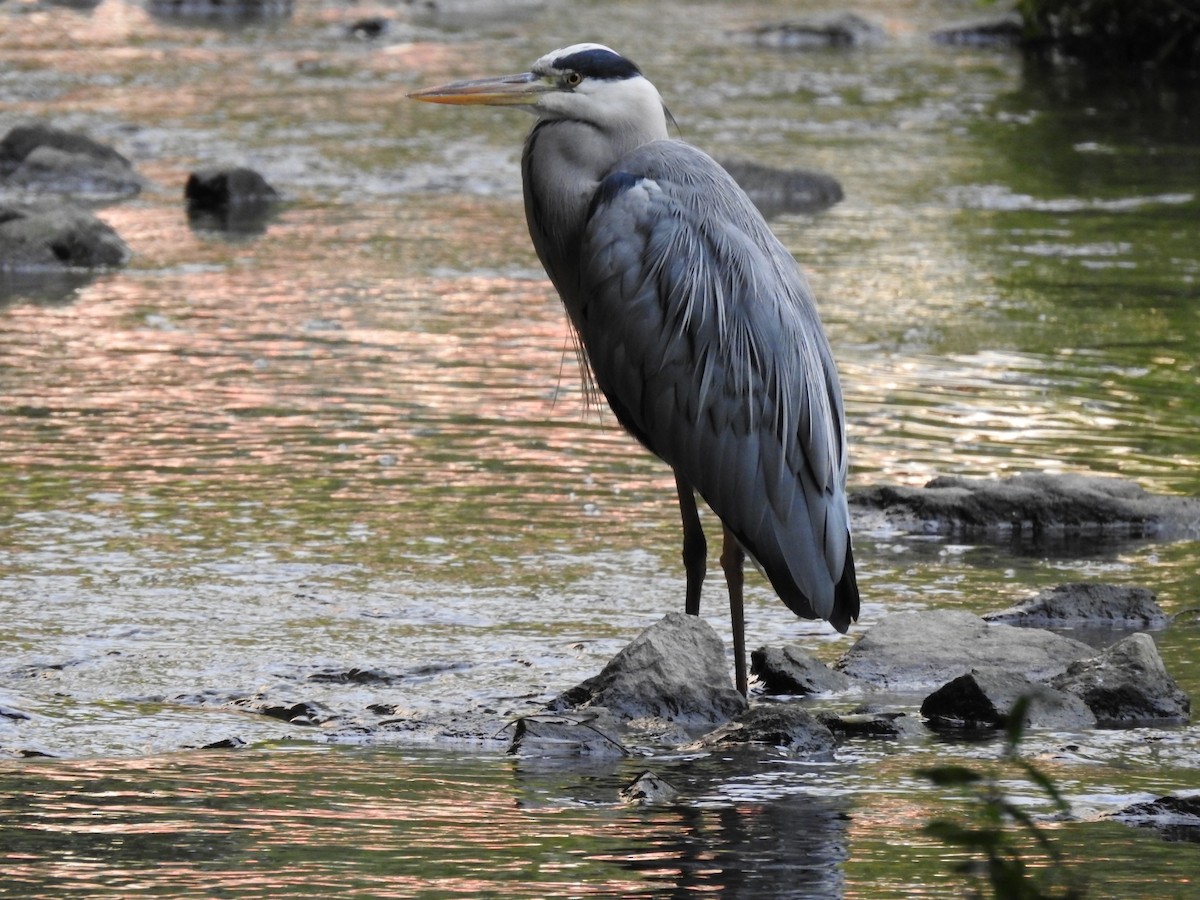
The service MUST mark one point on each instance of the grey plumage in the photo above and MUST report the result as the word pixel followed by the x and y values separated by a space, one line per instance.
pixel 695 321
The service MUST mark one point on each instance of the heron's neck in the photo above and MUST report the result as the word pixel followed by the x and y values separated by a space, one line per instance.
pixel 563 164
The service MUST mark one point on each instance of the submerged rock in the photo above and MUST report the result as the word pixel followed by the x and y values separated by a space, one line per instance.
pixel 57 237
pixel 871 723
pixel 648 789
pixel 787 726
pixel 549 735
pixel 777 191
pixel 1036 504
pixel 791 670
pixel 1086 604
pixel 231 199
pixel 40 157
pixel 1175 818
pixel 1127 685
pixel 675 670
pixel 986 697
pixel 842 30
pixel 926 649
pixel 1006 31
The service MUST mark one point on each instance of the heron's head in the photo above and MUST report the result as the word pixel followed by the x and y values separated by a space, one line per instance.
pixel 585 82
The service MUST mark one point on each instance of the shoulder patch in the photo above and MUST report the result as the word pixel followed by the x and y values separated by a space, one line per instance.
pixel 611 187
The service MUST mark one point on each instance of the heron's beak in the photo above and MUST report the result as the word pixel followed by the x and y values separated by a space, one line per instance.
pixel 506 90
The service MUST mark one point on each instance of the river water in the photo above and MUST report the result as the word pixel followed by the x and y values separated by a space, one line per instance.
pixel 342 459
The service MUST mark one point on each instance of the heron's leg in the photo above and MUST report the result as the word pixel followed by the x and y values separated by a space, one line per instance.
pixel 733 559
pixel 695 547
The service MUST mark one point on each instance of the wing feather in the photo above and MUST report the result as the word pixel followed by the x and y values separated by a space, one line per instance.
pixel 702 333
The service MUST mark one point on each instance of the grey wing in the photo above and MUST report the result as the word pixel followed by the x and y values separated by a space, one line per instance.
pixel 702 333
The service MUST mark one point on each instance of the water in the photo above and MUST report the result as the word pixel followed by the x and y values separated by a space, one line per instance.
pixel 250 464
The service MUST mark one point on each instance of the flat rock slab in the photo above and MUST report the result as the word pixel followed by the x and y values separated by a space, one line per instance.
pixel 791 670
pixel 926 649
pixel 785 726
pixel 1035 504
pixel 41 157
pixel 987 697
pixel 1086 605
pixel 675 670
pixel 1127 685
pixel 779 191
pixel 1174 817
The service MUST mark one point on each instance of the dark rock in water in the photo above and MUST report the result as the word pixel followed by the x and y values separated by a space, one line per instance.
pixel 777 191
pixel 223 188
pixel 867 723
pixel 1089 604
pixel 235 199
pixel 1037 504
pixel 1175 818
pixel 467 13
pixel 303 712
pixel 783 725
pixel 985 698
pixel 226 10
pixel 353 675
pixel 52 238
pixel 790 670
pixel 675 669
pixel 369 28
pixel 24 139
pixel 844 30
pixel 910 650
pixel 15 715
pixel 1007 31
pixel 39 157
pixel 1126 685
pixel 232 743
pixel 547 735
pixel 648 789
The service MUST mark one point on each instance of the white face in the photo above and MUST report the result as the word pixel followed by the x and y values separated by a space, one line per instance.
pixel 625 102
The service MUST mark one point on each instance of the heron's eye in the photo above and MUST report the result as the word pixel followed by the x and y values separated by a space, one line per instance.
pixel 572 79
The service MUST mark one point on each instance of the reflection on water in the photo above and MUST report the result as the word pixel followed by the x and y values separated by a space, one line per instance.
pixel 356 440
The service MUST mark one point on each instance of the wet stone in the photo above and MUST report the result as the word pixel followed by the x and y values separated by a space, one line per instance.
pixel 986 697
pixel 648 789
pixel 787 726
pixel 674 670
pixel 871 724
pixel 926 649
pixel 778 191
pixel 1174 817
pixel 1127 685
pixel 1086 604
pixel 49 238
pixel 547 735
pixel 844 30
pixel 353 675
pixel 1036 504
pixel 1006 31
pixel 791 670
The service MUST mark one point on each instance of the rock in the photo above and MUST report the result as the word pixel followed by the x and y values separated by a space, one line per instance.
pixel 40 157
pixel 866 723
pixel 675 669
pixel 50 238
pixel 1006 31
pixel 777 191
pixel 468 13
pixel 1175 818
pixel 230 10
pixel 1037 504
pixel 844 30
pixel 648 789
pixel 13 714
pixel 790 670
pixel 1126 685
pixel 783 725
pixel 910 650
pixel 234 199
pixel 543 735
pixel 985 697
pixel 353 675
pixel 369 28
pixel 1086 604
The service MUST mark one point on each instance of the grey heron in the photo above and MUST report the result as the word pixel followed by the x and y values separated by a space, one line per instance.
pixel 695 323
